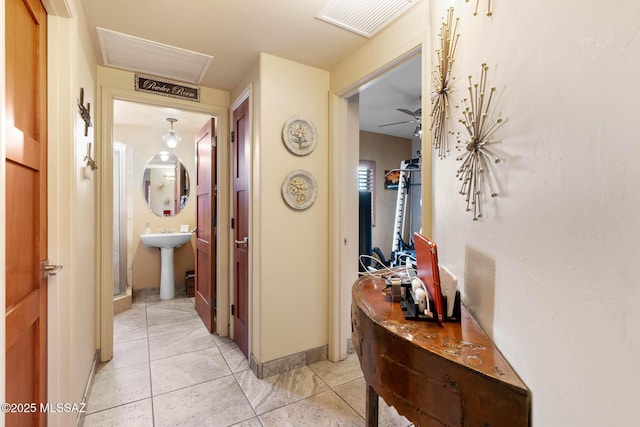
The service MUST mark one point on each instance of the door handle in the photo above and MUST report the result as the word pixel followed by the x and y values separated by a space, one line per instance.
pixel 244 241
pixel 47 269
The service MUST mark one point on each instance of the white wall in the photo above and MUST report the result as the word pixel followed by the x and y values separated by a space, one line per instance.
pixel 551 269
pixel 72 293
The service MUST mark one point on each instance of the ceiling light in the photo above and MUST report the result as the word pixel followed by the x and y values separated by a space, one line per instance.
pixel 164 156
pixel 418 131
pixel 171 138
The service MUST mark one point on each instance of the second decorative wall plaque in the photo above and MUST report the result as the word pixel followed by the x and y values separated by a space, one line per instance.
pixel 299 189
pixel 299 135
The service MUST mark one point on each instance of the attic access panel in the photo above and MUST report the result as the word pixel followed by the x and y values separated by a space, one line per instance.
pixel 364 17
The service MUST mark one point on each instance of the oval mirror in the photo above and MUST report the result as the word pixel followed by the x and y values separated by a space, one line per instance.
pixel 165 184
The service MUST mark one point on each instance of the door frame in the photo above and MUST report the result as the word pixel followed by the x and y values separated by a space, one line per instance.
pixel 3 219
pixel 54 8
pixel 254 206
pixel 343 156
pixel 106 95
pixel 29 155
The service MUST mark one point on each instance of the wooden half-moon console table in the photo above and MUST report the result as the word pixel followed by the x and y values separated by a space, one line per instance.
pixel 450 375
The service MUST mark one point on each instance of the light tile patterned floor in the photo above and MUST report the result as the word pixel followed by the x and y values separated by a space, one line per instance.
pixel 168 370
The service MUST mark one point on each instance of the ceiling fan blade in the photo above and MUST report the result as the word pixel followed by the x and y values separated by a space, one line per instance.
pixel 398 123
pixel 404 110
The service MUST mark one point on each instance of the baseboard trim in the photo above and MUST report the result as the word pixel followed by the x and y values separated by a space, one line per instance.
pixel 123 301
pixel 350 349
pixel 87 390
pixel 287 363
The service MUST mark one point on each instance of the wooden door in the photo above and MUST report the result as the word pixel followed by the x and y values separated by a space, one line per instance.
pixel 205 287
pixel 26 205
pixel 241 149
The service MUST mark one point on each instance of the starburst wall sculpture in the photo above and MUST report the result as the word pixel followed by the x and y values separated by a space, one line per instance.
pixel 443 79
pixel 489 13
pixel 475 171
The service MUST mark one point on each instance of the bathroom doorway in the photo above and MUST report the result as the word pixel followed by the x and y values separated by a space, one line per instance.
pixel 116 91
pixel 148 195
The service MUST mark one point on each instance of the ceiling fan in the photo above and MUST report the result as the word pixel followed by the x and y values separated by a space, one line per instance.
pixel 417 118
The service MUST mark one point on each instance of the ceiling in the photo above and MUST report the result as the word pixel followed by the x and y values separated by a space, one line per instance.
pixel 134 114
pixel 397 88
pixel 235 32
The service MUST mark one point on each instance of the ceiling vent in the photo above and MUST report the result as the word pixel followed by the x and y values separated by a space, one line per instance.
pixel 364 17
pixel 145 56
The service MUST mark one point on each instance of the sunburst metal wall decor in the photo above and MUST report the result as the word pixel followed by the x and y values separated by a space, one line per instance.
pixel 489 13
pixel 475 171
pixel 442 81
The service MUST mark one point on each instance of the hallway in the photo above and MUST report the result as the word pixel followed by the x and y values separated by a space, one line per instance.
pixel 168 370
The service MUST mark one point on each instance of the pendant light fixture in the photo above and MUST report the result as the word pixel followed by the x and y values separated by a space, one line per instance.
pixel 171 138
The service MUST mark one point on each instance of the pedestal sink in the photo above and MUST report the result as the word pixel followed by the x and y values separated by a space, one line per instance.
pixel 166 242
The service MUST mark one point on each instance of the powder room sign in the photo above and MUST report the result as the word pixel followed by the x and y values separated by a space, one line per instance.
pixel 166 88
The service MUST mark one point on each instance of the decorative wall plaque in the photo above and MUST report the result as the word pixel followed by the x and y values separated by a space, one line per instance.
pixel 166 88
pixel 299 189
pixel 299 135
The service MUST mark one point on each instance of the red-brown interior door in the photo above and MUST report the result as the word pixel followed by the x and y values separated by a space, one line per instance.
pixel 241 226
pixel 26 208
pixel 205 287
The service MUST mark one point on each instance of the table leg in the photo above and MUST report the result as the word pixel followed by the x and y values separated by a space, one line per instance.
pixel 372 407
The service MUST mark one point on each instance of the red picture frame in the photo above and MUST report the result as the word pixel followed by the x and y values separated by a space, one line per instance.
pixel 427 260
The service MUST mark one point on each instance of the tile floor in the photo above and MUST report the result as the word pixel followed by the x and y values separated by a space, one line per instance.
pixel 167 370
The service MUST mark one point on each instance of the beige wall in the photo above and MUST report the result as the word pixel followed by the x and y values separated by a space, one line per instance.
pixel 387 152
pixel 292 245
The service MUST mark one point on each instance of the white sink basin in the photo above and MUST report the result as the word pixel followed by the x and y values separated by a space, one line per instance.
pixel 166 242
